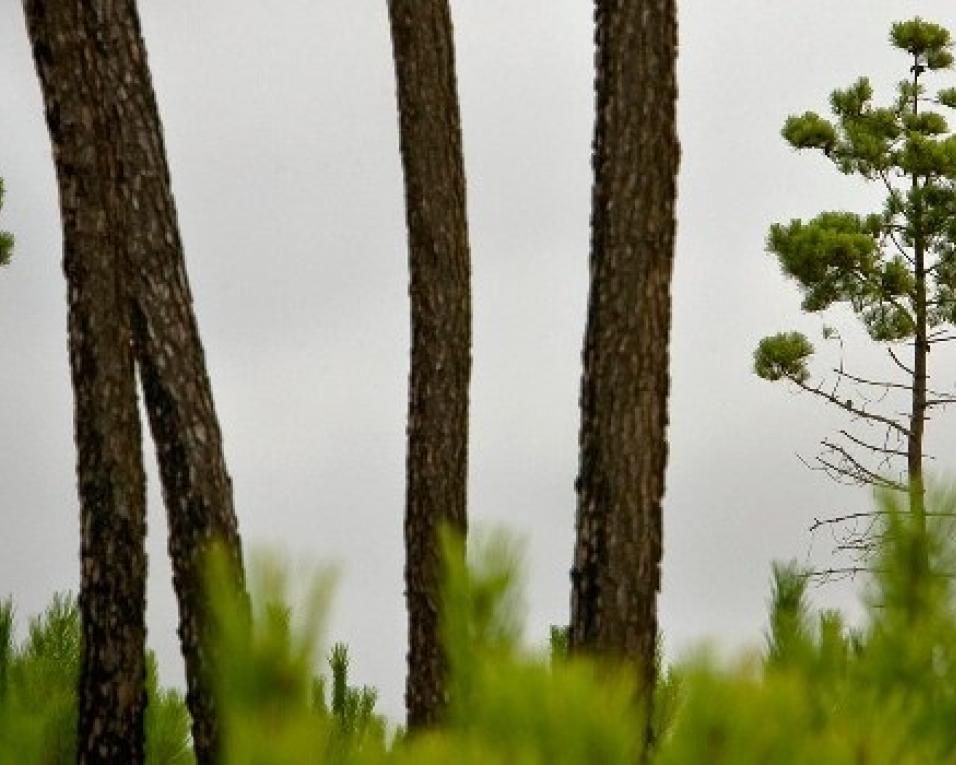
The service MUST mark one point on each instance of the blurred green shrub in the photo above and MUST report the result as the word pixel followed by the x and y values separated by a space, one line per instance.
pixel 820 692
pixel 38 703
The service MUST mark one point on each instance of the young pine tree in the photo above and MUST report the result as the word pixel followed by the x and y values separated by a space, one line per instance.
pixel 895 267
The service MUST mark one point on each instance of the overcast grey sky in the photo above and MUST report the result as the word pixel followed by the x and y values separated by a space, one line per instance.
pixel 282 137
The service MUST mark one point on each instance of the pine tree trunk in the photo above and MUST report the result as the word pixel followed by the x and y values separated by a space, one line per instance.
pixel 440 293
pixel 73 72
pixel 196 486
pixel 625 384
pixel 917 425
pixel 197 490
pixel 914 445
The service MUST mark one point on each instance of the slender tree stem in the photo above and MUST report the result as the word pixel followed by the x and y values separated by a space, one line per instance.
pixel 920 346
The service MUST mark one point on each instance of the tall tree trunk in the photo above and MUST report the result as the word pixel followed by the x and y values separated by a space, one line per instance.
pixel 197 490
pixel 67 49
pixel 914 447
pixel 196 486
pixel 624 389
pixel 440 295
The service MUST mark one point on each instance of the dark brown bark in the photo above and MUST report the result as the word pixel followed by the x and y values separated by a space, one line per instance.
pixel 440 292
pixel 67 47
pixel 196 486
pixel 625 384
pixel 197 489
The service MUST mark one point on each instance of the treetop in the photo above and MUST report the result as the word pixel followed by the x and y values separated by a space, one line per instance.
pixel 868 261
pixel 927 41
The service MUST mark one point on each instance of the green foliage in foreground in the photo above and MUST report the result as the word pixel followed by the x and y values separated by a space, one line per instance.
pixel 820 692
pixel 38 704
pixel 883 693
pixel 507 704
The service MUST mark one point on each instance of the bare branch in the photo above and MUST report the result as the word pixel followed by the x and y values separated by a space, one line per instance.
pixel 883 384
pixel 837 573
pixel 899 363
pixel 849 476
pixel 868 515
pixel 856 469
pixel 848 407
pixel 834 472
pixel 871 447
pixel 856 547
pixel 874 383
pixel 846 572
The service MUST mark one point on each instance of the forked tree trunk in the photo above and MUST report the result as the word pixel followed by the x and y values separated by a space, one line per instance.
pixel 624 389
pixel 196 486
pixel 110 475
pixel 440 292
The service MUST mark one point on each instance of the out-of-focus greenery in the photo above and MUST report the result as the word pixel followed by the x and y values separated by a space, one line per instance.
pixel 823 693
pixel 38 704
pixel 507 704
pixel 819 692
pixel 275 706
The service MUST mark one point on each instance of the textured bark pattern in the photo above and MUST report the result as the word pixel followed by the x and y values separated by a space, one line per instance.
pixel 623 443
pixel 196 486
pixel 67 45
pixel 440 295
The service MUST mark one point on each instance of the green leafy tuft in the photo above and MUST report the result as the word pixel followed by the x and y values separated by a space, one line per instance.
pixel 783 355
pixel 920 38
pixel 809 131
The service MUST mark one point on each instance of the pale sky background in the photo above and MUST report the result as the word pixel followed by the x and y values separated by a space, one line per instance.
pixel 281 128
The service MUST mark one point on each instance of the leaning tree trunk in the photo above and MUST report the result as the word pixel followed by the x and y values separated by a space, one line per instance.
pixel 625 383
pixel 440 295
pixel 196 486
pixel 197 489
pixel 73 74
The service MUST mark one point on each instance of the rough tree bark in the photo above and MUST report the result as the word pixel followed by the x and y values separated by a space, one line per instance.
pixel 625 383
pixel 440 292
pixel 196 485
pixel 197 489
pixel 110 474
